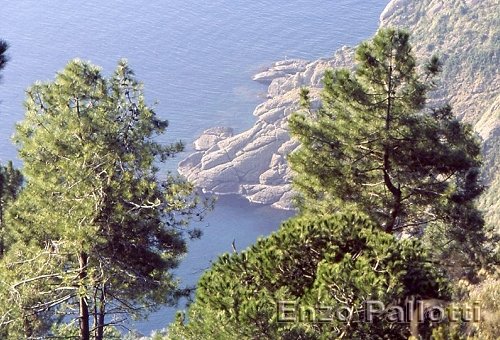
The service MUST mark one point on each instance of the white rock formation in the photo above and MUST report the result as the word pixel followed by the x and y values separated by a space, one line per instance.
pixel 253 163
pixel 280 69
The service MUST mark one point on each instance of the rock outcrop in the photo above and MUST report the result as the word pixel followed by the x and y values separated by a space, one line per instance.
pixel 281 69
pixel 253 163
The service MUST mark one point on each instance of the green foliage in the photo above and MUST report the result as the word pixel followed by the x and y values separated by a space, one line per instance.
pixel 466 35
pixel 486 323
pixel 376 147
pixel 10 185
pixel 30 281
pixel 10 178
pixel 70 331
pixel 486 295
pixel 340 261
pixel 489 202
pixel 95 227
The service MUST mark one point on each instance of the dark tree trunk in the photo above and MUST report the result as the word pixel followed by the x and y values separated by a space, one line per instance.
pixel 395 191
pixel 84 307
pixel 101 314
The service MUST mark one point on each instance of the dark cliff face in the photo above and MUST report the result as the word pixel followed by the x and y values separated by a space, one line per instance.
pixel 466 35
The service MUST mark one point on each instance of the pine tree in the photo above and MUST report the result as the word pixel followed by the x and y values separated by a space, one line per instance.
pixel 10 178
pixel 337 262
pixel 97 228
pixel 10 185
pixel 375 145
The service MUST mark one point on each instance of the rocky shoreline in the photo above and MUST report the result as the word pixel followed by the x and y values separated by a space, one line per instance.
pixel 253 163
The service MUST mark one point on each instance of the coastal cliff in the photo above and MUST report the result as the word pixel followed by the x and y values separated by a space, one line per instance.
pixel 464 33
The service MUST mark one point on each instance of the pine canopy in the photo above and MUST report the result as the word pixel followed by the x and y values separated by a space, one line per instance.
pixel 96 226
pixel 375 145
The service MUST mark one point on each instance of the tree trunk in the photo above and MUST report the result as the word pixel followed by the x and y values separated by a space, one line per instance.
pixel 27 325
pixel 395 191
pixel 84 307
pixel 101 314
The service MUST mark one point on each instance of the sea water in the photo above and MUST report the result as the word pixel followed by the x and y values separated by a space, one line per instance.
pixel 196 59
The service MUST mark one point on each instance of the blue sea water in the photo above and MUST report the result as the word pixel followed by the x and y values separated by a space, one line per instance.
pixel 195 58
